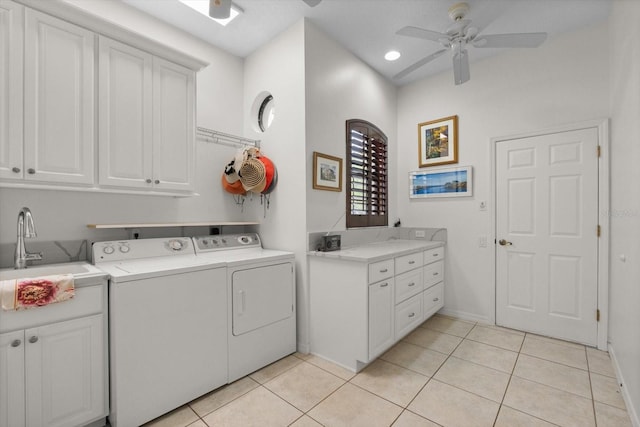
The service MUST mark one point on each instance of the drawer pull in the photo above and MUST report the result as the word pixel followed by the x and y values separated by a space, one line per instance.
pixel 412 315
pixel 411 262
pixel 15 170
pixel 384 285
pixel 436 299
pixel 31 171
pixel 16 343
pixel 384 270
pixel 435 274
pixel 411 284
pixel 33 339
pixel 436 254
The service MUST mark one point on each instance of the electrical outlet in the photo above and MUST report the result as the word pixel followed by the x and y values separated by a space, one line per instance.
pixel 482 241
pixel 420 234
pixel 483 205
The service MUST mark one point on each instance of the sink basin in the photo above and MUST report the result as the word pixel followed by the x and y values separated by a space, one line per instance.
pixel 78 269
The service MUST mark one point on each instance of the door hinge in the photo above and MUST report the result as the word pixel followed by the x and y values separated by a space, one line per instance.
pixel 597 315
pixel 599 230
pixel 599 151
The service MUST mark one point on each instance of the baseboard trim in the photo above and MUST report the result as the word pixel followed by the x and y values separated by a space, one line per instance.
pixel 462 315
pixel 633 415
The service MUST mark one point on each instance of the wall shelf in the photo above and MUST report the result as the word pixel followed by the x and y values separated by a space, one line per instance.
pixel 172 224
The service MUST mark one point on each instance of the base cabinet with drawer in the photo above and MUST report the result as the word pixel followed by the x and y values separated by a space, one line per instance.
pixel 359 309
pixel 55 373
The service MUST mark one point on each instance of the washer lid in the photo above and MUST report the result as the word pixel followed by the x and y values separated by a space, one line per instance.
pixel 124 271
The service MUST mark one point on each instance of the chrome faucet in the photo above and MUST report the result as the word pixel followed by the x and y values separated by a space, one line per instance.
pixel 27 229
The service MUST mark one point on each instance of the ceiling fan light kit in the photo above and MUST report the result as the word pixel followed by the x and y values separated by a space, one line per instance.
pixel 461 34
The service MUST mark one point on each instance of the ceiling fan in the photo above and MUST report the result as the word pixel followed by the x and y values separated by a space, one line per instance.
pixel 221 9
pixel 459 36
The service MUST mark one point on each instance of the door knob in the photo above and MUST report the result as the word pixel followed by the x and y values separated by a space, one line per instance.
pixel 504 242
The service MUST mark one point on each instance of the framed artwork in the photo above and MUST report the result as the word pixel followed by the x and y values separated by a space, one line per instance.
pixel 438 142
pixel 443 182
pixel 327 172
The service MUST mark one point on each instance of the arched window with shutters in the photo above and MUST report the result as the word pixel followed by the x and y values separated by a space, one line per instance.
pixel 367 204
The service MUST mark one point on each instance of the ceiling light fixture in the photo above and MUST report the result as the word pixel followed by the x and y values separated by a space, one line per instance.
pixel 392 55
pixel 216 9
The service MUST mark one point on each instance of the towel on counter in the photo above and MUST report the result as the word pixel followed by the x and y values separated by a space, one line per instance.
pixel 20 294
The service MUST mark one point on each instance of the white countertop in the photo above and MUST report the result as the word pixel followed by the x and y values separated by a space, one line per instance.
pixel 377 251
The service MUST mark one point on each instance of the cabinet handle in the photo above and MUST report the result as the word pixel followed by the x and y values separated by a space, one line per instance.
pixel 157 181
pixel 436 299
pixel 411 262
pixel 15 170
pixel 412 284
pixel 436 254
pixel 31 171
pixel 148 181
pixel 33 339
pixel 16 343
pixel 384 285
pixel 435 274
pixel 384 270
pixel 412 315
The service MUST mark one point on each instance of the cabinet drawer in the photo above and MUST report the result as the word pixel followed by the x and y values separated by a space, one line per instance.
pixel 87 300
pixel 433 273
pixel 408 262
pixel 433 299
pixel 408 316
pixel 432 255
pixel 408 285
pixel 380 270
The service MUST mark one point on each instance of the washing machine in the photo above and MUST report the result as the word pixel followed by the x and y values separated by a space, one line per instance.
pixel 261 299
pixel 167 326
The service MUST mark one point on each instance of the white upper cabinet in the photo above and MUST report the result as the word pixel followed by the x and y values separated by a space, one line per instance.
pixel 59 100
pixel 147 127
pixel 11 41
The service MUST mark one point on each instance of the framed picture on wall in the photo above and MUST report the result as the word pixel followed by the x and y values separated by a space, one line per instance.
pixel 327 172
pixel 443 182
pixel 438 142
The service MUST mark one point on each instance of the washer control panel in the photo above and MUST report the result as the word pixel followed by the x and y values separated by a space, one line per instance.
pixel 226 242
pixel 118 250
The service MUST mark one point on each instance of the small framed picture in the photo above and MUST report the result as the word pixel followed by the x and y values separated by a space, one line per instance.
pixel 444 182
pixel 327 172
pixel 438 142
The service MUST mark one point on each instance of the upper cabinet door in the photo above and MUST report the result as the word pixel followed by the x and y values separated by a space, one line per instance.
pixel 125 121
pixel 173 126
pixel 59 100
pixel 11 40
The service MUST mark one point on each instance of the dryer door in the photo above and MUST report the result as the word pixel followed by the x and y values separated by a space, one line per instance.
pixel 261 296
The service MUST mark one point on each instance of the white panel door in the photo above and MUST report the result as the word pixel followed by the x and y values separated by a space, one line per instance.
pixel 12 399
pixel 125 121
pixel 58 100
pixel 173 126
pixel 381 317
pixel 65 372
pixel 11 77
pixel 546 226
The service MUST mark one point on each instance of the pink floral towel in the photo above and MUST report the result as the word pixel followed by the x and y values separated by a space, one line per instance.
pixel 20 294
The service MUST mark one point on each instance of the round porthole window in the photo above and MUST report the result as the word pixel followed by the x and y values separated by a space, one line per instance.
pixel 263 111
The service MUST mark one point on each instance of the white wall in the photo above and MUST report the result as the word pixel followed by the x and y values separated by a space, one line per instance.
pixel 624 217
pixel 278 68
pixel 63 215
pixel 563 81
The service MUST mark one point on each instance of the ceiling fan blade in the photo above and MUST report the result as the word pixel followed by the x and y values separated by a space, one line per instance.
pixel 420 33
pixel 510 40
pixel 461 67
pixel 219 9
pixel 419 64
pixel 312 3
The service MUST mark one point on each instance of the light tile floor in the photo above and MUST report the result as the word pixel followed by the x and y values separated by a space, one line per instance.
pixel 447 372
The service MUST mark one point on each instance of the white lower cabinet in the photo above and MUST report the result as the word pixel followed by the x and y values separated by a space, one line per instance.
pixel 360 309
pixel 54 374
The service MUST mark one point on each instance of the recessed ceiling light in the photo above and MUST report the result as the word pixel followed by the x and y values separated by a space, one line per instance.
pixel 202 6
pixel 392 55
